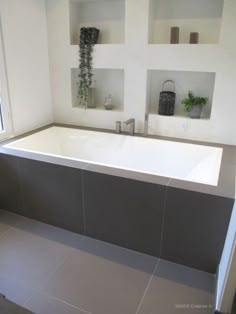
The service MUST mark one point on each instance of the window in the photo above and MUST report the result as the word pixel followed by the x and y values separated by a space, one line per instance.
pixel 1 121
pixel 5 123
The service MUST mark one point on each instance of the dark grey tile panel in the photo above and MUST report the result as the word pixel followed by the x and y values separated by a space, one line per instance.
pixel 102 278
pixel 178 289
pixel 195 228
pixel 9 184
pixel 52 194
pixel 125 212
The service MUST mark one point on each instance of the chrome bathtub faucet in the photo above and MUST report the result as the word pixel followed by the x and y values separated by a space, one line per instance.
pixel 145 133
pixel 118 127
pixel 131 123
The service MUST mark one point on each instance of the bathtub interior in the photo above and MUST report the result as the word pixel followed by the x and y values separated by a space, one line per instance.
pixel 190 162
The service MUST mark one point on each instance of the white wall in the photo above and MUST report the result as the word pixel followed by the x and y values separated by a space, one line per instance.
pixel 136 57
pixel 172 9
pixel 25 41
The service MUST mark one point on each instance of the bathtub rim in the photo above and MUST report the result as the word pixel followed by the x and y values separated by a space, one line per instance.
pixel 226 181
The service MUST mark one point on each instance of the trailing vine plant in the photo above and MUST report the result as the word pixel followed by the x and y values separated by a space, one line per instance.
pixel 88 38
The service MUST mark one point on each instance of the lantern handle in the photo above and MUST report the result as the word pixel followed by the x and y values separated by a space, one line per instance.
pixel 168 81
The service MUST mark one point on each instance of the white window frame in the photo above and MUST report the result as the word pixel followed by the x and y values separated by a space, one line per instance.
pixel 6 113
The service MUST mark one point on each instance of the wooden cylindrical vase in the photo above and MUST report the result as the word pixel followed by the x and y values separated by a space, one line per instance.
pixel 174 35
pixel 194 37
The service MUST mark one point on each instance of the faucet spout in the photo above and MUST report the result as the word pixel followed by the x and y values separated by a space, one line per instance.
pixel 145 125
pixel 131 123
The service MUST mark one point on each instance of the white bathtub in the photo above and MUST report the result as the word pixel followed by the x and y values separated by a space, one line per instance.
pixel 189 162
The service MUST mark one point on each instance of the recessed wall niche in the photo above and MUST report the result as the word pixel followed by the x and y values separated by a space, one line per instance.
pixel 106 82
pixel 202 16
pixel 106 15
pixel 200 83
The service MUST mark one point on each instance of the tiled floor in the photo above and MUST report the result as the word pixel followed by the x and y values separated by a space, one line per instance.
pixel 49 270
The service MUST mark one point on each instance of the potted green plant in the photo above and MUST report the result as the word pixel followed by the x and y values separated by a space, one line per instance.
pixel 193 105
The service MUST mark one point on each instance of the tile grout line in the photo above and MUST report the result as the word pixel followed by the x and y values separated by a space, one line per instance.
pixel 69 304
pixel 148 285
pixel 56 268
pixel 162 235
pixel 53 298
pixel 21 200
pixel 164 215
pixel 83 201
pixel 40 290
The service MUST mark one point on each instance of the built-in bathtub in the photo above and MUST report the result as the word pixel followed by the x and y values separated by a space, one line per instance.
pixel 165 198
pixel 189 162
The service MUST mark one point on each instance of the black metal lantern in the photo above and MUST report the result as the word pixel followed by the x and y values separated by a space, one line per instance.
pixel 167 100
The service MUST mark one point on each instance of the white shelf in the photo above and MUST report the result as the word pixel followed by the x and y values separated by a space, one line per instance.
pixel 140 54
pixel 108 16
pixel 167 57
pixel 107 82
pixel 98 107
pixel 177 117
pixel 200 83
pixel 202 16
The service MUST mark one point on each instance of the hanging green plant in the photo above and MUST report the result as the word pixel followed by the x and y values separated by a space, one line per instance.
pixel 88 38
